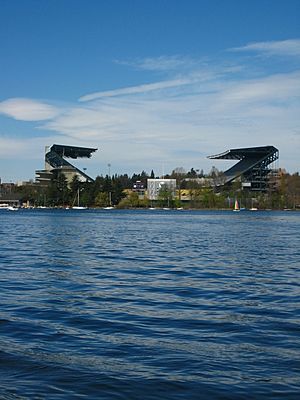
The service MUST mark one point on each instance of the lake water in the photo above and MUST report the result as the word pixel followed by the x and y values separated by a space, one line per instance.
pixel 149 305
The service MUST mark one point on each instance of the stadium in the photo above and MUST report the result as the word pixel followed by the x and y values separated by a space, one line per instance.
pixel 55 160
pixel 253 168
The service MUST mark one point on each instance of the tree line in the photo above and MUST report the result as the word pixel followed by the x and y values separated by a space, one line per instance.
pixel 116 190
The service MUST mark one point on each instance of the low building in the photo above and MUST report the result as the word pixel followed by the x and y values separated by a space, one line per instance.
pixel 139 188
pixel 155 186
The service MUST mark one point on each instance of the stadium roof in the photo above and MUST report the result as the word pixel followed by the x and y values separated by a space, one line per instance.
pixel 57 154
pixel 72 151
pixel 253 164
pixel 240 154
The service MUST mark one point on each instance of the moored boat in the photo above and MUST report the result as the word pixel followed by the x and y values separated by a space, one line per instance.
pixel 236 206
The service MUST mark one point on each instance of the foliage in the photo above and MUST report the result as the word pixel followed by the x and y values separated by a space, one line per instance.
pixel 106 190
pixel 102 199
pixel 165 197
pixel 132 201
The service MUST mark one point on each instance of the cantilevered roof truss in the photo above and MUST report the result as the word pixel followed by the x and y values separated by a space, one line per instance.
pixel 252 166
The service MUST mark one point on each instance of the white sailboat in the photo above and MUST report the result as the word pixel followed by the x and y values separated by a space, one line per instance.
pixel 78 207
pixel 253 208
pixel 110 207
pixel 12 208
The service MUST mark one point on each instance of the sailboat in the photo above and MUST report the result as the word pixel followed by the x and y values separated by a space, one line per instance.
pixel 253 208
pixel 236 206
pixel 78 207
pixel 110 207
pixel 12 208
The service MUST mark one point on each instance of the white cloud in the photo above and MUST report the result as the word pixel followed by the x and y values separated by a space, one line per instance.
pixel 162 63
pixel 28 109
pixel 289 47
pixel 277 87
pixel 177 128
pixel 10 146
pixel 175 122
pixel 24 148
pixel 150 87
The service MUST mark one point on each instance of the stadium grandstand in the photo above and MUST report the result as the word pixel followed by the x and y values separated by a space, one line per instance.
pixel 55 161
pixel 253 168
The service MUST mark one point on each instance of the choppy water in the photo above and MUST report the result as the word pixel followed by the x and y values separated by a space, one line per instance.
pixel 149 305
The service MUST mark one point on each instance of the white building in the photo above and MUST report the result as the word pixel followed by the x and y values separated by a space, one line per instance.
pixel 155 185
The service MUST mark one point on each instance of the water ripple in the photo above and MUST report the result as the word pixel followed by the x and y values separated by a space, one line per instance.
pixel 148 305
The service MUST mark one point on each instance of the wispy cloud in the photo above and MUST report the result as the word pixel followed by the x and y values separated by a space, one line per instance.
pixel 162 63
pixel 10 146
pixel 273 88
pixel 203 108
pixel 28 110
pixel 150 87
pixel 289 47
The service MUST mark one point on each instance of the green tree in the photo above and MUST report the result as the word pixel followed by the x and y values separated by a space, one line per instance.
pixel 117 191
pixel 30 193
pixel 58 192
pixel 74 186
pixel 102 199
pixel 165 197
pixel 131 201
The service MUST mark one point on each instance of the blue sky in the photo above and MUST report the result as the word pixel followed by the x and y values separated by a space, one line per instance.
pixel 153 84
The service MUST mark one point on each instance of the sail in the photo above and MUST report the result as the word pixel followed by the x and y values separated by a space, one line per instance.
pixel 236 206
